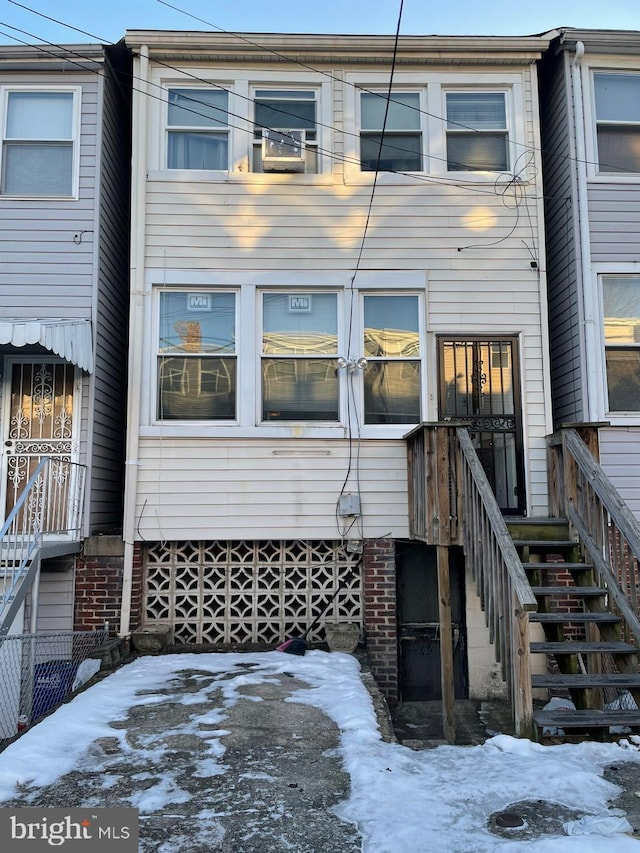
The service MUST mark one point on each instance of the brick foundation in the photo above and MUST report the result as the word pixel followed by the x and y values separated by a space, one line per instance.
pixel 380 614
pixel 98 585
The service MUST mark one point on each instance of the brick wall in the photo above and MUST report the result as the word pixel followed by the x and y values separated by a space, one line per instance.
pixel 380 614
pixel 98 585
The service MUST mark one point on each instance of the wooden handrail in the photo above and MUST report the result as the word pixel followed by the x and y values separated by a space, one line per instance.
pixel 605 525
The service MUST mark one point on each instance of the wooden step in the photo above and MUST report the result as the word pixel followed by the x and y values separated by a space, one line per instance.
pixel 549 545
pixel 590 679
pixel 538 528
pixel 578 648
pixel 586 591
pixel 560 618
pixel 586 719
pixel 545 567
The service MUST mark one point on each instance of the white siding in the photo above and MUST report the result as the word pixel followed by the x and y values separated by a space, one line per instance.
pixel 470 244
pixel 233 489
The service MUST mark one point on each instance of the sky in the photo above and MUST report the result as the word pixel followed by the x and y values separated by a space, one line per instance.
pixel 107 22
pixel 401 799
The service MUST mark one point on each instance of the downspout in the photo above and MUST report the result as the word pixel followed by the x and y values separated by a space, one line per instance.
pixel 592 404
pixel 136 327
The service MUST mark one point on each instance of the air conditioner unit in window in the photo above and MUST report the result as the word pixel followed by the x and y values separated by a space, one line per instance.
pixel 283 150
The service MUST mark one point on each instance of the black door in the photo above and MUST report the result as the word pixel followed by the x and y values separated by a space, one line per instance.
pixel 418 618
pixel 479 384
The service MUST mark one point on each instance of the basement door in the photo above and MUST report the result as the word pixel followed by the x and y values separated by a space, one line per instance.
pixel 38 420
pixel 479 385
pixel 418 621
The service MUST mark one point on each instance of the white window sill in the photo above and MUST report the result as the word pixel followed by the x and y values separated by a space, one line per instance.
pixel 197 176
pixel 626 419
pixel 204 430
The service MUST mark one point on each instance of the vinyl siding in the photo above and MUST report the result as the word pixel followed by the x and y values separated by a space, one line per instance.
pixel 620 458
pixel 561 236
pixel 614 222
pixel 44 273
pixel 55 601
pixel 111 309
pixel 208 487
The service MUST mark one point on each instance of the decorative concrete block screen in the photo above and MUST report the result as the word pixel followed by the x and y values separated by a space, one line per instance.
pixel 249 592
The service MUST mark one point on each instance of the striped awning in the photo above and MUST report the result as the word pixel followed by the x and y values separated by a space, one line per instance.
pixel 70 339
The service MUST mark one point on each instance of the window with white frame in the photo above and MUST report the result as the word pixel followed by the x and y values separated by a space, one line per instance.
pixel 198 129
pixel 392 347
pixel 399 148
pixel 617 98
pixel 621 302
pixel 196 361
pixel 39 143
pixel 299 356
pixel 285 130
pixel 477 133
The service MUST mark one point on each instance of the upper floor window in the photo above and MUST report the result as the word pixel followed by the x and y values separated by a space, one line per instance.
pixel 477 136
pixel 285 131
pixel 198 129
pixel 399 149
pixel 392 386
pixel 618 122
pixel 299 357
pixel 197 356
pixel 621 300
pixel 38 154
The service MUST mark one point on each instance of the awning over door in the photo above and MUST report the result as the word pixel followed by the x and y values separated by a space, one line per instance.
pixel 70 339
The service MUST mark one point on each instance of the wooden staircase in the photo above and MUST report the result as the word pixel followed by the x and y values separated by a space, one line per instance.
pixel 588 657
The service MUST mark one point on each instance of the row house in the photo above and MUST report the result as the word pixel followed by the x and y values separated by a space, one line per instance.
pixel 302 298
pixel 64 237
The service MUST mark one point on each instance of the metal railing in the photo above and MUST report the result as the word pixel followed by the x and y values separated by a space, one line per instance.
pixel 50 505
pixel 451 502
pixel 39 671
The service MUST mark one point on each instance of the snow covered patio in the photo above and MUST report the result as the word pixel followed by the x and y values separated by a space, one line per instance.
pixel 245 753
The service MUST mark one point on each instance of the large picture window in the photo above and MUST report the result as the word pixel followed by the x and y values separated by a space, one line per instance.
pixel 618 121
pixel 299 357
pixel 38 143
pixel 621 300
pixel 198 129
pixel 400 149
pixel 197 356
pixel 477 138
pixel 392 349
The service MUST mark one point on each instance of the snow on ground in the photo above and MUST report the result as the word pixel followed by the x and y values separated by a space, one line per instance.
pixel 402 800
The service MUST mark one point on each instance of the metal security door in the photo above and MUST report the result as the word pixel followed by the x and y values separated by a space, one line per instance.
pixel 479 385
pixel 39 422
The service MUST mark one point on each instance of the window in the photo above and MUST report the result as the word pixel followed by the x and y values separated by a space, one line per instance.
pixel 38 153
pixel 285 126
pixel 392 349
pixel 621 299
pixel 476 132
pixel 198 129
pixel 401 148
pixel 299 357
pixel 618 122
pixel 197 356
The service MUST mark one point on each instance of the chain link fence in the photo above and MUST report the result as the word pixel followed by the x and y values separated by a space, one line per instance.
pixel 39 671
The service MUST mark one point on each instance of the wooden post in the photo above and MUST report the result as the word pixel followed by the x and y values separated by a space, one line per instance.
pixel 446 646
pixel 521 673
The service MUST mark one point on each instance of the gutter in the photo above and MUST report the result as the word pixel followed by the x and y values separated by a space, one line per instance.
pixel 136 329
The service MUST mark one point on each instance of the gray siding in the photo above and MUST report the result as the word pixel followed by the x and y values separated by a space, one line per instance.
pixel 561 236
pixel 111 314
pixel 614 222
pixel 44 273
